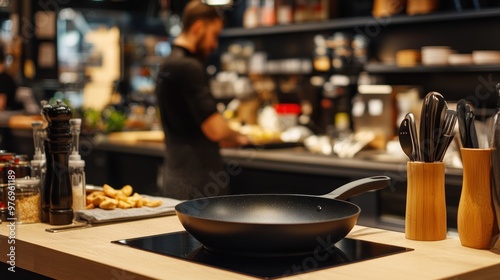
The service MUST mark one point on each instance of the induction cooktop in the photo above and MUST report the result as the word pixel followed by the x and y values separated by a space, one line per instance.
pixel 183 246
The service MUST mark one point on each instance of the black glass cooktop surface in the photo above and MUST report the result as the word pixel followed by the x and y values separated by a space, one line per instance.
pixel 183 246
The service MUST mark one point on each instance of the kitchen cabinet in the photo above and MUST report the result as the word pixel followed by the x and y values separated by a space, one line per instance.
pixel 463 31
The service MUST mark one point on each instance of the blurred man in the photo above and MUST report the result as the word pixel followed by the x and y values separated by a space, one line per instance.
pixel 194 130
pixel 8 88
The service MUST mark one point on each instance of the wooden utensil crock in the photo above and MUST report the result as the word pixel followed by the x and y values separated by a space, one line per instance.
pixel 475 218
pixel 425 218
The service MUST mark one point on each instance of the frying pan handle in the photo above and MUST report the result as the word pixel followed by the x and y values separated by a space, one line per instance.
pixel 359 187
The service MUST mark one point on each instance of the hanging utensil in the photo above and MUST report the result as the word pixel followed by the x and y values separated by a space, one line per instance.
pixel 405 138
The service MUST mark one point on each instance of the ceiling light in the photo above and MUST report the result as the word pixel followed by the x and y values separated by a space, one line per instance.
pixel 218 2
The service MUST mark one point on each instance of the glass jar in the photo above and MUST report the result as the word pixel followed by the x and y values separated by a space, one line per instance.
pixel 21 166
pixel 27 201
pixel 4 183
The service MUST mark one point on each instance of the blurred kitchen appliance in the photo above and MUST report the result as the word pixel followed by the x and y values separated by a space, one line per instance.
pixel 374 109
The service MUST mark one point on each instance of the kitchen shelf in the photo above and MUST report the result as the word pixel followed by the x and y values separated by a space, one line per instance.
pixel 386 68
pixel 340 23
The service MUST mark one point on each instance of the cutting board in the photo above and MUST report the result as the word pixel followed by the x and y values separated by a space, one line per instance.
pixel 155 136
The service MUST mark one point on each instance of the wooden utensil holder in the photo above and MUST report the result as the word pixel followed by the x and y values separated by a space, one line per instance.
pixel 425 218
pixel 475 218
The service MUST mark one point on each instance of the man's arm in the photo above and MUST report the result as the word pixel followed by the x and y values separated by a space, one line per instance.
pixel 3 101
pixel 216 128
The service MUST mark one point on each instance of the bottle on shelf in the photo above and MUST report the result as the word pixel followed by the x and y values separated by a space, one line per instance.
pixel 252 14
pixel 284 11
pixel 267 13
pixel 301 11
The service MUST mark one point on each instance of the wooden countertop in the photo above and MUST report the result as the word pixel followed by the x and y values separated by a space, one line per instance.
pixel 89 254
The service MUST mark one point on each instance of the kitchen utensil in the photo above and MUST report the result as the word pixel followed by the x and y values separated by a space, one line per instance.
pixel 414 138
pixel 429 125
pixel 70 227
pixel 460 59
pixel 447 134
pixel 424 134
pixel 475 216
pixel 462 122
pixel 435 55
pixel 425 216
pixel 274 224
pixel 439 116
pixel 442 106
pixel 486 57
pixel 405 138
pixel 474 142
pixel 467 125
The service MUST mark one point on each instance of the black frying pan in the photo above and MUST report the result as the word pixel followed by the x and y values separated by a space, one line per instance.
pixel 275 224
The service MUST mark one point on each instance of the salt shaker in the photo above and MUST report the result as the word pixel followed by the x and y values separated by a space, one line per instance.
pixel 76 168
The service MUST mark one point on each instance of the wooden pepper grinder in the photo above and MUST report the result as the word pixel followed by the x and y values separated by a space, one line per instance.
pixel 59 146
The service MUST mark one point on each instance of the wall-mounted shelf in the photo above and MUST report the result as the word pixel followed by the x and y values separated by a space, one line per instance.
pixel 385 68
pixel 342 23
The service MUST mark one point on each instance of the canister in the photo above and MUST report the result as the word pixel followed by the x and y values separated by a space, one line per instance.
pixel 5 161
pixel 21 166
pixel 4 183
pixel 27 197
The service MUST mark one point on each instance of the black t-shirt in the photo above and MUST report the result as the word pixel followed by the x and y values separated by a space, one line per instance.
pixel 8 86
pixel 193 162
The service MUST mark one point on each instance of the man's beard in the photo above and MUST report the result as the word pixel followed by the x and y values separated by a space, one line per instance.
pixel 199 51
